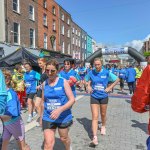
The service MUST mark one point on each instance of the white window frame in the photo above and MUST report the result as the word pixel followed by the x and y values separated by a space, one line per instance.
pixel 72 30
pixel 31 14
pixel 68 21
pixel 85 46
pixel 76 32
pixel 62 16
pixel 18 34
pixel 68 33
pixel 68 48
pixel 63 47
pixel 33 38
pixel 54 46
pixel 62 29
pixel 45 19
pixel 17 5
pixel 76 42
pixel 79 43
pixel 79 34
pixel 54 10
pixel 73 40
pixel 45 3
pixel 45 41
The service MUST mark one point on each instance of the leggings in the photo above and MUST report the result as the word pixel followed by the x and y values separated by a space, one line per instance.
pixel 131 86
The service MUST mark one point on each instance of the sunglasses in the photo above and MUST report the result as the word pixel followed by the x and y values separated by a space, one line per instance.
pixel 50 71
pixel 67 64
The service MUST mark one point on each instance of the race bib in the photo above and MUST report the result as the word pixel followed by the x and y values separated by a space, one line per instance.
pixel 53 104
pixel 28 84
pixel 99 87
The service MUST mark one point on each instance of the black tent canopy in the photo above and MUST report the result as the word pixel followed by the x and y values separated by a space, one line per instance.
pixel 17 57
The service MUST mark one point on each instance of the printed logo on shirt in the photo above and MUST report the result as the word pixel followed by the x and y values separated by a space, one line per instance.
pixel 103 77
pixel 58 88
pixel 31 76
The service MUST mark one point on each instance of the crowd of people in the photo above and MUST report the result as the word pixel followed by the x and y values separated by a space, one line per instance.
pixel 49 97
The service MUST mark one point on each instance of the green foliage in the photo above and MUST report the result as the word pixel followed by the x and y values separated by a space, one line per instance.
pixel 146 54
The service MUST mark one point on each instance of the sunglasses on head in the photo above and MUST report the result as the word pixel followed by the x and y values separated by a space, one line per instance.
pixel 50 71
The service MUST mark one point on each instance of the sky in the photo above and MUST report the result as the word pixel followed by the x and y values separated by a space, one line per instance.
pixel 112 22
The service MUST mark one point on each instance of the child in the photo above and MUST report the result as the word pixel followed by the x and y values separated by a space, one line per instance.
pixel 13 123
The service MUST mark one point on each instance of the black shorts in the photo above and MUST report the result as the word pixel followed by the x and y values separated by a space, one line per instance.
pixel 99 101
pixel 39 93
pixel 53 125
pixel 31 95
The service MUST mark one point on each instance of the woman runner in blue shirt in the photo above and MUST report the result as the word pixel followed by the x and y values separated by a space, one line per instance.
pixel 97 85
pixel 57 102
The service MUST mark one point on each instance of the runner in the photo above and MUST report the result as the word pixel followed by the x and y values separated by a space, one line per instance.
pixel 122 76
pixel 13 123
pixel 31 78
pixel 42 65
pixel 82 72
pixel 97 86
pixel 58 99
pixel 70 75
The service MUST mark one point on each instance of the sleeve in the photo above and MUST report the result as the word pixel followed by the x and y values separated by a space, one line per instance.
pixel 37 76
pixel 12 105
pixel 112 77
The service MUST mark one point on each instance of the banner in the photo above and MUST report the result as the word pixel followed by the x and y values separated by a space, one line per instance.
pixel 113 51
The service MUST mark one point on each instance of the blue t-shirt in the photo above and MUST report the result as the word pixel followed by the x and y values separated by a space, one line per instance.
pixel 55 97
pixel 122 73
pixel 82 71
pixel 3 93
pixel 31 79
pixel 67 75
pixel 99 82
pixel 130 74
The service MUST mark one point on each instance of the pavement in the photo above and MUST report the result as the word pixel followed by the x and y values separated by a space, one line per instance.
pixel 126 130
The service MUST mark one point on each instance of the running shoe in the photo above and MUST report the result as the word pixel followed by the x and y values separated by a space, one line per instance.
pixel 94 142
pixel 103 130
pixel 34 114
pixel 29 119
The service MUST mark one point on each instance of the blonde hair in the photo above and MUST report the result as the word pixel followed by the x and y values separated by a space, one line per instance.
pixel 42 59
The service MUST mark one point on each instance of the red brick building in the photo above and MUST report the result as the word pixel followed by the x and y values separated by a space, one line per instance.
pixel 48 25
pixel 146 46
pixel 65 30
pixel 20 22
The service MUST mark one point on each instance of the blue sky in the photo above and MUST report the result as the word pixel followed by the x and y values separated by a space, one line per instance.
pixel 111 21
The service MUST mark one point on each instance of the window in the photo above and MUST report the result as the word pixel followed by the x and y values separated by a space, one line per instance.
pixel 31 12
pixel 82 36
pixel 76 42
pixel 45 19
pixel 45 40
pixel 68 21
pixel 54 46
pixel 62 16
pixel 76 32
pixel 63 47
pixel 16 33
pixel 69 48
pixel 85 38
pixel 16 5
pixel 79 43
pixel 54 25
pixel 44 3
pixel 73 40
pixel 68 33
pixel 32 38
pixel 62 29
pixel 85 46
pixel 53 10
pixel 72 30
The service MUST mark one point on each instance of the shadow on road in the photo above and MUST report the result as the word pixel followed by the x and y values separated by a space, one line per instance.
pixel 128 101
pixel 142 126
pixel 86 124
pixel 58 144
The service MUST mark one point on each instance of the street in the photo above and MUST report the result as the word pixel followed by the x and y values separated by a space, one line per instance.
pixel 126 130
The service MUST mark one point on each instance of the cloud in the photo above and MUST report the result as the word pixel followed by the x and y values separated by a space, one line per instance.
pixel 137 44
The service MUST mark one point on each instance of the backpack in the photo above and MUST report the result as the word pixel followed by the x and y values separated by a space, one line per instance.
pixel 141 98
